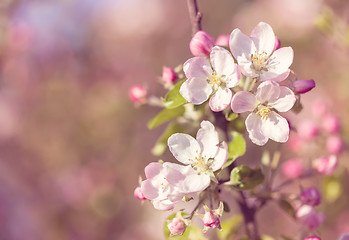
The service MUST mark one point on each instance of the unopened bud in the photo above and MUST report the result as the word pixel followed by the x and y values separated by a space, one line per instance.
pixel 177 227
pixel 331 123
pixel 326 165
pixel 137 94
pixel 312 238
pixel 303 86
pixel 277 44
pixel 307 130
pixel 211 220
pixel 308 216
pixel 292 168
pixel 201 44
pixel 223 40
pixel 311 196
pixel 334 144
pixel 168 75
pixel 139 194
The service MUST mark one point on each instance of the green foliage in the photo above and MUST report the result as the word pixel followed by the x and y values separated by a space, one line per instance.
pixel 161 143
pixel 244 178
pixel 287 207
pixel 196 233
pixel 332 188
pixel 237 148
pixel 231 116
pixel 230 227
pixel 165 115
pixel 167 232
pixel 173 98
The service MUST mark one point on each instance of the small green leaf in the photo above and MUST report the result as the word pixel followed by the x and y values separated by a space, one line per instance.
pixel 287 207
pixel 161 143
pixel 231 116
pixel 244 178
pixel 173 98
pixel 165 115
pixel 230 227
pixel 237 148
pixel 332 188
pixel 167 232
pixel 196 233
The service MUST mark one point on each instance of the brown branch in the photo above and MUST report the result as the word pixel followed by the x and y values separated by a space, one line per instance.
pixel 195 16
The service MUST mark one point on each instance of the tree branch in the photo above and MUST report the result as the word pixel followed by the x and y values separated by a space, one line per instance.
pixel 195 16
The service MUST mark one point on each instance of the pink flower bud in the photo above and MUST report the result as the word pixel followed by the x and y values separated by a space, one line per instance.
pixel 177 227
pixel 292 168
pixel 344 236
pixel 277 44
pixel 334 144
pixel 331 123
pixel 168 75
pixel 312 238
pixel 311 196
pixel 303 86
pixel 295 143
pixel 137 94
pixel 308 216
pixel 319 108
pixel 201 44
pixel 139 194
pixel 307 130
pixel 211 220
pixel 223 40
pixel 326 165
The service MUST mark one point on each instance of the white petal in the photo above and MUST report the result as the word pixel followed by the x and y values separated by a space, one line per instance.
pixel 221 157
pixel 152 169
pixel 264 38
pixel 163 205
pixel 268 91
pixel 207 138
pixel 233 79
pixel 220 100
pixel 243 102
pixel 196 90
pixel 197 67
pixel 273 76
pixel 175 173
pixel 149 190
pixel 254 127
pixel 183 147
pixel 195 183
pixel 240 44
pixel 276 128
pixel 285 100
pixel 281 60
pixel 222 61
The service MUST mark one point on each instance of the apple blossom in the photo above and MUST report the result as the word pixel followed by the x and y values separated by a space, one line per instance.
pixel 137 94
pixel 168 75
pixel 331 123
pixel 201 44
pixel 256 56
pixel 309 217
pixel 204 154
pixel 139 194
pixel 263 122
pixel 223 40
pixel 177 227
pixel 326 165
pixel 204 80
pixel 211 217
pixel 334 144
pixel 292 168
pixel 303 86
pixel 277 44
pixel 307 130
pixel 311 196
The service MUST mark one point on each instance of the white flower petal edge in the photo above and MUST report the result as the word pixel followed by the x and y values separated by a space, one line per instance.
pixel 276 128
pixel 183 147
pixel 243 102
pixel 196 90
pixel 207 138
pixel 221 99
pixel 264 38
pixel 254 128
pixel 285 101
pixel 222 61
pixel 221 157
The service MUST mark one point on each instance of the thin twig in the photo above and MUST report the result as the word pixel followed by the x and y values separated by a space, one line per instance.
pixel 195 16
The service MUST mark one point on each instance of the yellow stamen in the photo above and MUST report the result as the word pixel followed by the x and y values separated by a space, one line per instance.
pixel 264 112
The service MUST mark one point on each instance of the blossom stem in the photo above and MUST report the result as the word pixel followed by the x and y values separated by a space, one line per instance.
pixel 195 16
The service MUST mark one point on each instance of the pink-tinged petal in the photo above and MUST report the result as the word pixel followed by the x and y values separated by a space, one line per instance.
pixel 264 38
pixel 285 100
pixel 276 128
pixel 153 169
pixel 149 190
pixel 221 157
pixel 163 205
pixel 233 79
pixel 195 183
pixel 196 90
pixel 268 91
pixel 240 44
pixel 183 147
pixel 281 60
pixel 176 173
pixel 207 138
pixel 245 66
pixel 222 61
pixel 276 77
pixel 254 127
pixel 220 100
pixel 197 67
pixel 243 102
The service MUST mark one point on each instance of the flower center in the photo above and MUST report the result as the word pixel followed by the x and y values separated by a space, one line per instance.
pixel 215 80
pixel 259 61
pixel 200 163
pixel 163 183
pixel 264 111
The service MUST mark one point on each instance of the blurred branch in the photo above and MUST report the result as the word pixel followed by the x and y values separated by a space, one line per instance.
pixel 195 16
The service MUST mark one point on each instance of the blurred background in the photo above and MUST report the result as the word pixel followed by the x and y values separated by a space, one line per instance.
pixel 72 144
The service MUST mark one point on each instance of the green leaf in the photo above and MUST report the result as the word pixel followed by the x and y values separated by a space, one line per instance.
pixel 237 148
pixel 244 178
pixel 165 115
pixel 196 233
pixel 287 207
pixel 230 227
pixel 173 98
pixel 231 116
pixel 167 232
pixel 161 143
pixel 332 188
